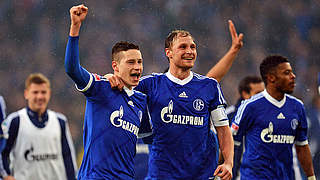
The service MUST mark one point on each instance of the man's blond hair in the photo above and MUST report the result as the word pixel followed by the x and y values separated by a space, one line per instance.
pixel 36 78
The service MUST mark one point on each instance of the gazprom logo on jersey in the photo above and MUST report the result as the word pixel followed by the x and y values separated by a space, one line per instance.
pixel 29 155
pixel 168 117
pixel 117 121
pixel 267 136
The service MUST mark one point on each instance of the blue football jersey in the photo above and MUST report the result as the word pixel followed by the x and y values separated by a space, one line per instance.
pixel 270 128
pixel 111 126
pixel 183 145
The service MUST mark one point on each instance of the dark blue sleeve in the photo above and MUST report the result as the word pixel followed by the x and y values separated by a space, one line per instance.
pixel 72 64
pixel 13 133
pixel 146 129
pixel 145 84
pixel 66 152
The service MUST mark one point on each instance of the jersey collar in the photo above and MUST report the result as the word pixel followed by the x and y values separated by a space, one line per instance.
pixel 36 120
pixel 273 101
pixel 128 91
pixel 179 81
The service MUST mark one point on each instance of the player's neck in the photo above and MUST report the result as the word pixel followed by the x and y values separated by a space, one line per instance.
pixel 180 73
pixel 273 92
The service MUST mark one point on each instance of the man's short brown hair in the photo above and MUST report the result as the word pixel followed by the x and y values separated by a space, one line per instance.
pixel 36 78
pixel 173 35
pixel 122 46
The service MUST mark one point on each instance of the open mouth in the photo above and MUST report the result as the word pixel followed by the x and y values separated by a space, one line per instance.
pixel 135 75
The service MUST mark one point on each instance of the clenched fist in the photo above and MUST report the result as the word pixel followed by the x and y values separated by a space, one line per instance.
pixel 78 14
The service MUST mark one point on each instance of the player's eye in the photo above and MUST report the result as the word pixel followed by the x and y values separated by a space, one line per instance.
pixel 183 46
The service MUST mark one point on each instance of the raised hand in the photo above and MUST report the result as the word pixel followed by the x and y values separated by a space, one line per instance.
pixel 78 14
pixel 237 40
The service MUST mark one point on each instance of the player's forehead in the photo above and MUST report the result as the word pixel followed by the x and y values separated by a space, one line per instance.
pixel 284 67
pixel 182 39
pixel 38 87
pixel 131 54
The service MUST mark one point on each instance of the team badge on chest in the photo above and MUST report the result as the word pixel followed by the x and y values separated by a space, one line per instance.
pixel 198 104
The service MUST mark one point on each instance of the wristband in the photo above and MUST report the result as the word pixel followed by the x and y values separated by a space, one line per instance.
pixel 312 177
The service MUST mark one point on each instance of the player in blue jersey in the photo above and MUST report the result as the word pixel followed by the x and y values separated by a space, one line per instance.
pixel 39 144
pixel 112 117
pixel 272 121
pixel 248 86
pixel 2 117
pixel 184 106
pixel 2 109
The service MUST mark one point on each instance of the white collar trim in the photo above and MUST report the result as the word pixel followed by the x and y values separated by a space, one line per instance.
pixel 179 81
pixel 273 101
pixel 129 92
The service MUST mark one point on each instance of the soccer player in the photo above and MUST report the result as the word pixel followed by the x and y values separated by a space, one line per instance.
pixel 183 106
pixel 272 121
pixel 39 144
pixel 248 86
pixel 112 117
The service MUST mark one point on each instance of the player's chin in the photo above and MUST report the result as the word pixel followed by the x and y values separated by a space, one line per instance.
pixel 289 91
pixel 134 82
pixel 188 65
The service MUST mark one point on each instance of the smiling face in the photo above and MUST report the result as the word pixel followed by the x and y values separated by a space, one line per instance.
pixel 128 66
pixel 182 53
pixel 38 96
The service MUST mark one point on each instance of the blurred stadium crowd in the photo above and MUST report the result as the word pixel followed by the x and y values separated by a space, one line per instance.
pixel 33 36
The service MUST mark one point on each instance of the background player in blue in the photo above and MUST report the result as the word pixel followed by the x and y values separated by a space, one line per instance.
pixel 248 86
pixel 2 117
pixel 39 144
pixel 272 121
pixel 112 117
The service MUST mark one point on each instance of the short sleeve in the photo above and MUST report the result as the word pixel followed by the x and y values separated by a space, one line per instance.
pixel 241 121
pixel 302 129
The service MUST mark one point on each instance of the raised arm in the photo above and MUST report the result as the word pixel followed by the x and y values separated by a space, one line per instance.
pixel 72 64
pixel 225 63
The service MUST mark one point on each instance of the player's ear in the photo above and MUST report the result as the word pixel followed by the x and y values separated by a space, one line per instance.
pixel 168 52
pixel 115 67
pixel 271 77
pixel 245 95
pixel 26 94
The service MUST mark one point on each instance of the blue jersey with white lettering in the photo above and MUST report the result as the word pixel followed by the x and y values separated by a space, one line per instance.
pixel 183 145
pixel 112 121
pixel 270 128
